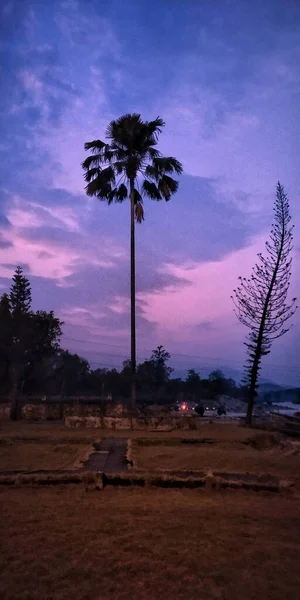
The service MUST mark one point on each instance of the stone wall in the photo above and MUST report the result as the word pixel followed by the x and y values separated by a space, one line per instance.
pixel 92 416
pixel 138 423
pixel 53 411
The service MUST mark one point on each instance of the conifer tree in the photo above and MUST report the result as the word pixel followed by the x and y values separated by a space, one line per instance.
pixel 261 301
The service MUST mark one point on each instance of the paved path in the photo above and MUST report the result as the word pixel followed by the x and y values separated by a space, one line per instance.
pixel 110 456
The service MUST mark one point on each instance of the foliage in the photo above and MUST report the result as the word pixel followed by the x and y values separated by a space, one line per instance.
pixel 70 373
pixel 130 154
pixel 261 301
pixel 20 294
pixel 27 340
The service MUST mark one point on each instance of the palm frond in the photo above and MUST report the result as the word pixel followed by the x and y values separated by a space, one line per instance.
pixel 121 130
pixel 167 186
pixel 172 184
pixel 95 160
pixel 139 212
pixel 151 172
pixel 94 146
pixel 121 193
pixel 150 189
pixel 153 153
pixel 155 127
pixel 98 188
pixel 161 165
pixel 108 153
pixel 137 197
pixel 101 185
pixel 168 164
pixel 91 174
pixel 119 166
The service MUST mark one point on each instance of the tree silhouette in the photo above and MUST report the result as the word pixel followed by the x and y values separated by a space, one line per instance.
pixel 261 301
pixel 193 383
pixel 28 341
pixel 20 294
pixel 130 166
pixel 159 358
pixel 20 306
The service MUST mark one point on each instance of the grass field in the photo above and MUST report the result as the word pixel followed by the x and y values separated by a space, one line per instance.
pixel 223 455
pixel 65 542
pixel 55 430
pixel 29 456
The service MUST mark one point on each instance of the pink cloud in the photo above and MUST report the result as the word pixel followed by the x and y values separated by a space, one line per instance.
pixel 120 305
pixel 93 320
pixel 183 313
pixel 56 260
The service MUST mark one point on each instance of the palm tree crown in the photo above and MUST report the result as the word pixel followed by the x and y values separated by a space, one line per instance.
pixel 130 163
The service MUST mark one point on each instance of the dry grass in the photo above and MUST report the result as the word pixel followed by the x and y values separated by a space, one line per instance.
pixel 56 430
pixel 63 543
pixel 221 456
pixel 37 446
pixel 52 478
pixel 60 542
pixel 40 455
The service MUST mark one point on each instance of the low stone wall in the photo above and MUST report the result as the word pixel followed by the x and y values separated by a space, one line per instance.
pixel 111 416
pixel 91 416
pixel 138 423
pixel 54 411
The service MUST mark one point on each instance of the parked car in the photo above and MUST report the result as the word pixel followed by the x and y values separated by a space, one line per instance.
pixel 199 409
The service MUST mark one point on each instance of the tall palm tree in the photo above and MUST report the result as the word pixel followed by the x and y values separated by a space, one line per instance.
pixel 130 166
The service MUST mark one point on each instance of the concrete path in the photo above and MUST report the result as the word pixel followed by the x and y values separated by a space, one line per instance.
pixel 110 456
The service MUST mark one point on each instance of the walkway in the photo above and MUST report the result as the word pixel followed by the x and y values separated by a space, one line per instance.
pixel 109 456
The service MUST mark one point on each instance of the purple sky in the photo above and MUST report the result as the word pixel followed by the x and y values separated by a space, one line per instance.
pixel 225 77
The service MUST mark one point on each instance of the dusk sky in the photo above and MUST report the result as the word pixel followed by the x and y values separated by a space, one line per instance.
pixel 224 75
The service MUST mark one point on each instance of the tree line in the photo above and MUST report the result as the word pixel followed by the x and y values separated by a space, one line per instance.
pixel 33 362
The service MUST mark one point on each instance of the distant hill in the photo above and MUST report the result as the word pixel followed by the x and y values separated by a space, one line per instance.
pixel 268 386
pixel 281 395
pixel 265 385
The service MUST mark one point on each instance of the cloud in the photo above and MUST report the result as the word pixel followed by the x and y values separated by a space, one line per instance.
pixel 5 244
pixel 176 310
pixel 94 321
pixel 56 250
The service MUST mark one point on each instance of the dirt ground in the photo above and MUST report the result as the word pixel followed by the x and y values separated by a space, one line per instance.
pixel 61 542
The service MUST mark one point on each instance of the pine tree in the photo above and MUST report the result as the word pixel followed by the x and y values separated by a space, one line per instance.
pixel 20 305
pixel 20 293
pixel 261 301
pixel 5 341
pixel 28 341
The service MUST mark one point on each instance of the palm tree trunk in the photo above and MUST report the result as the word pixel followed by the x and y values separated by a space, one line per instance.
pixel 132 297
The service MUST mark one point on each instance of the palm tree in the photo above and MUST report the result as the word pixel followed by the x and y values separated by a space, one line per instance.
pixel 130 166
